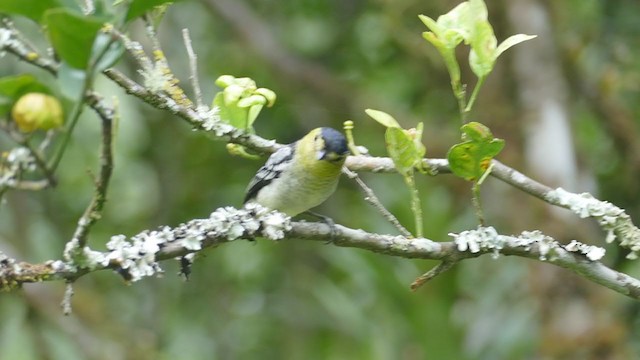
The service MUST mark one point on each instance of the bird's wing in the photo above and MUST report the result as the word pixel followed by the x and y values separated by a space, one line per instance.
pixel 275 165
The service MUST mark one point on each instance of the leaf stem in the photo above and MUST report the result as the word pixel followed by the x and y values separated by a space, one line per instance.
pixel 416 206
pixel 474 94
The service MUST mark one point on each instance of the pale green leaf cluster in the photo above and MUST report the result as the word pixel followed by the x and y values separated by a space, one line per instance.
pixel 241 101
pixel 467 22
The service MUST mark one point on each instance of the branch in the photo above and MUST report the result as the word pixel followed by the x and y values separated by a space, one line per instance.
pixel 372 199
pixel 138 256
pixel 94 210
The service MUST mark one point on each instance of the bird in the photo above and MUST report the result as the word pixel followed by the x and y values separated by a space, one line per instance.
pixel 301 175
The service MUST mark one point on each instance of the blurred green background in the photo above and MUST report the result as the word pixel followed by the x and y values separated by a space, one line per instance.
pixel 573 93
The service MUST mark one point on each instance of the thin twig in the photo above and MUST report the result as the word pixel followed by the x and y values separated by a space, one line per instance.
pixel 435 271
pixel 24 51
pixel 41 163
pixel 193 67
pixel 23 140
pixel 94 209
pixel 372 199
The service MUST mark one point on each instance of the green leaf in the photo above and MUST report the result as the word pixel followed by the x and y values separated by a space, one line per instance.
pixel 449 30
pixel 13 87
pixel 140 7
pixel 431 24
pixel 383 118
pixel 455 24
pixel 483 43
pixel 268 94
pixel 33 9
pixel 511 41
pixel 232 94
pixel 471 158
pixel 417 141
pixel 477 131
pixel 71 81
pixel 403 150
pixel 251 100
pixel 252 115
pixel 231 114
pixel 18 85
pixel 72 35
pixel 225 80
pixel 109 51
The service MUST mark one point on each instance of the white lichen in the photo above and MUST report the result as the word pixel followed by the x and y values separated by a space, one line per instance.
pixel 155 77
pixel 5 40
pixel 546 244
pixel 210 117
pixel 136 257
pixel 17 161
pixel 611 218
pixel 593 253
pixel 487 239
pixel 481 239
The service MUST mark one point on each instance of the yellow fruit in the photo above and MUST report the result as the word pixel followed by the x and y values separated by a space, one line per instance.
pixel 37 111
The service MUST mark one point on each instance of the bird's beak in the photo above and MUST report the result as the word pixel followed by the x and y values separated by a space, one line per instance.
pixel 321 154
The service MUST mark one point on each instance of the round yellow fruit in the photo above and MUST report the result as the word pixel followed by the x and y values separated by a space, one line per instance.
pixel 37 111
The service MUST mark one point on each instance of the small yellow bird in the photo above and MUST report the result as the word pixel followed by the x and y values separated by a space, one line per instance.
pixel 301 175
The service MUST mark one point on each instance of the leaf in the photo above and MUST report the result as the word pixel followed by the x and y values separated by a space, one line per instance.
pixel 33 9
pixel 251 100
pixel 403 150
pixel 431 24
pixel 455 24
pixel 448 31
pixel 253 113
pixel 231 114
pixel 18 85
pixel 109 51
pixel 477 131
pixel 71 81
pixel 232 94
pixel 268 94
pixel 511 41
pixel 483 42
pixel 72 35
pixel 225 80
pixel 13 87
pixel 140 7
pixel 471 158
pixel 383 118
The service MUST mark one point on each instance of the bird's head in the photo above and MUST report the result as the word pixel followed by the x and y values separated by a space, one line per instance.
pixel 330 145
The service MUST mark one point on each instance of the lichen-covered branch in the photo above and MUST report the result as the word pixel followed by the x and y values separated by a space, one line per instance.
pixel 138 256
pixel 93 211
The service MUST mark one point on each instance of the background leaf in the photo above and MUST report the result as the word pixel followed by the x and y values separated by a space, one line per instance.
pixel 140 7
pixel 71 81
pixel 13 87
pixel 108 56
pixel 33 9
pixel 72 35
